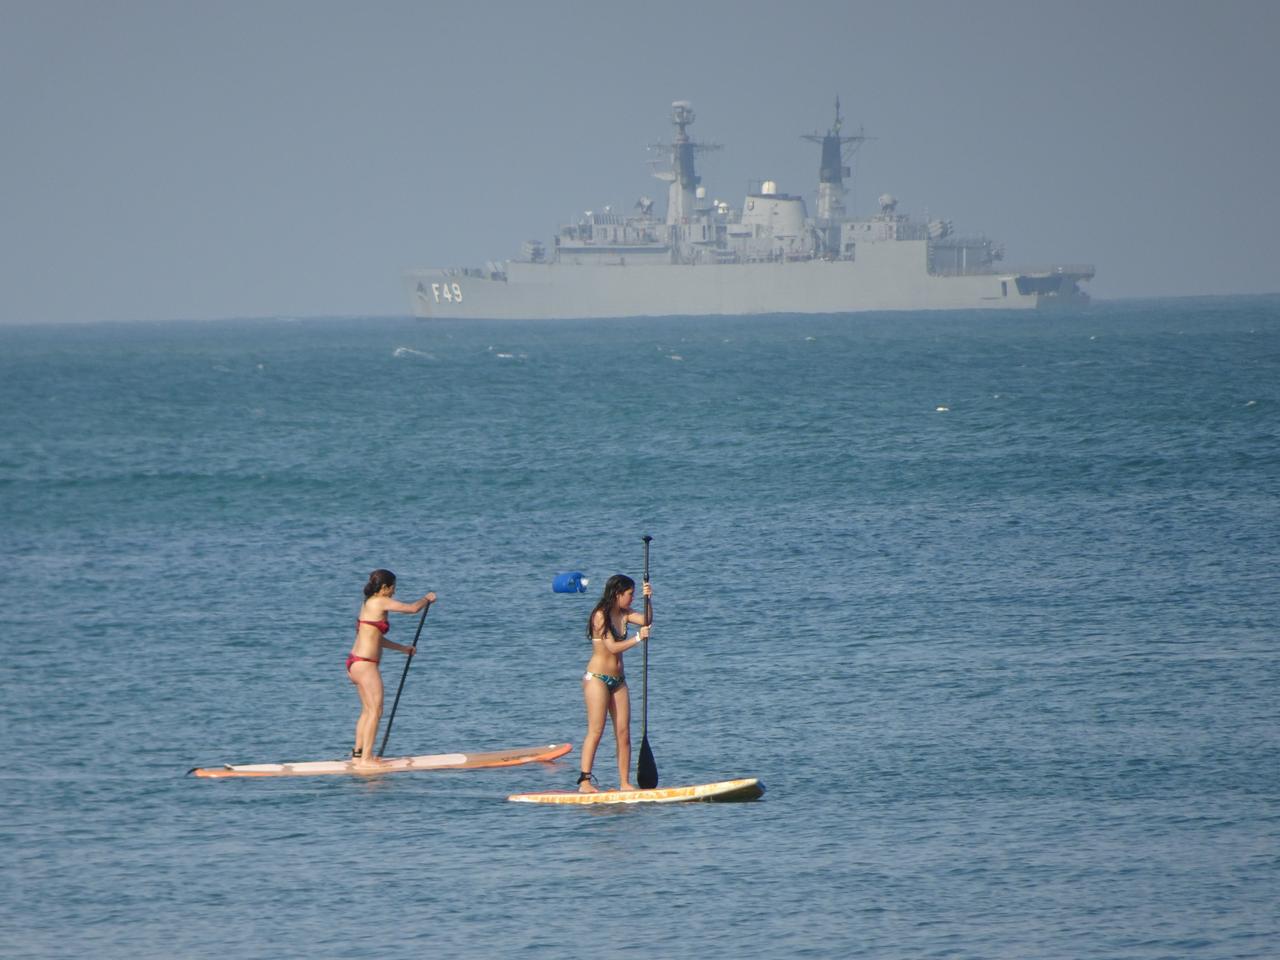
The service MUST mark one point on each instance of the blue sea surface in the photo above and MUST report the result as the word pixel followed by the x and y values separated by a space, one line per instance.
pixel 990 602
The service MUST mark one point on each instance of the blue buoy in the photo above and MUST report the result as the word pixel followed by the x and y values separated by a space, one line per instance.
pixel 573 582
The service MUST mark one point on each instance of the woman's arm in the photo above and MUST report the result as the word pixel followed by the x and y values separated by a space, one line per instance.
pixel 607 641
pixel 392 645
pixel 397 607
pixel 639 618
pixel 622 646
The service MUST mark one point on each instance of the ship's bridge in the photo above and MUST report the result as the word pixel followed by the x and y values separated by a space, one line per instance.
pixel 778 214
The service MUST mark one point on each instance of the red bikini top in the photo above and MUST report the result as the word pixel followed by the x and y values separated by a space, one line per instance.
pixel 382 625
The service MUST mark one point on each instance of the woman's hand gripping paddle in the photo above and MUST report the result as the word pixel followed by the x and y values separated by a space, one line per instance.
pixel 407 660
pixel 646 768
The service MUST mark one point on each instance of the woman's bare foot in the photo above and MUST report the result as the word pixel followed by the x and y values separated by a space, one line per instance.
pixel 586 786
pixel 627 786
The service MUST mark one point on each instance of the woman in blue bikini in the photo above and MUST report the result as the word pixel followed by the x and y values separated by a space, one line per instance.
pixel 604 685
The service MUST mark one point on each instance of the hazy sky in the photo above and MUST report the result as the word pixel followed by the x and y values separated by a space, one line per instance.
pixel 202 159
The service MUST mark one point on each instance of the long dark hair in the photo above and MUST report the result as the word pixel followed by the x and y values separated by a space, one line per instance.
pixel 614 587
pixel 377 580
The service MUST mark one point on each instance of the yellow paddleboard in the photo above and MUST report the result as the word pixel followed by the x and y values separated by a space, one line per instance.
pixel 724 792
pixel 436 761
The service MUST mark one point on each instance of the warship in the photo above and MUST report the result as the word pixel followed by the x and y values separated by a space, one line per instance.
pixel 707 257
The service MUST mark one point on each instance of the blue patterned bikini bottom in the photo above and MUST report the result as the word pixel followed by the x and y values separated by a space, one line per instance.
pixel 612 683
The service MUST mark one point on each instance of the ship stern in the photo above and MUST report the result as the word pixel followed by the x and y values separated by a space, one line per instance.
pixel 1053 285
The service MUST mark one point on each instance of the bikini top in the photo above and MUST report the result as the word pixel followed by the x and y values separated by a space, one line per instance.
pixel 382 625
pixel 612 632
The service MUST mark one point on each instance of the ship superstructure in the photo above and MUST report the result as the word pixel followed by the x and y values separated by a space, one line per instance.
pixel 766 256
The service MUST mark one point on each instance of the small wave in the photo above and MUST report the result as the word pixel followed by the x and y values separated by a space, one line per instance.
pixel 410 352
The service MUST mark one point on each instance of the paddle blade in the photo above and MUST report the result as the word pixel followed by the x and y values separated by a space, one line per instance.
pixel 646 769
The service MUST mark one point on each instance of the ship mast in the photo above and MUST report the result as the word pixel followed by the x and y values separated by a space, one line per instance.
pixel 684 181
pixel 837 152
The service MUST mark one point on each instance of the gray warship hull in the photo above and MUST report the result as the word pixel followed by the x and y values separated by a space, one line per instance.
pixel 707 258
pixel 891 279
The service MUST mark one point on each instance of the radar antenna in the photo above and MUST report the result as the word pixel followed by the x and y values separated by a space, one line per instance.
pixel 682 176
pixel 837 163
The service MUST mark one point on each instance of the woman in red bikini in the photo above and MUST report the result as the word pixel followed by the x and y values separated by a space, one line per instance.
pixel 604 685
pixel 362 662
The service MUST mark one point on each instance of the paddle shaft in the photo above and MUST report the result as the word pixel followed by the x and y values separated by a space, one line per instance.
pixel 648 616
pixel 407 660
pixel 646 767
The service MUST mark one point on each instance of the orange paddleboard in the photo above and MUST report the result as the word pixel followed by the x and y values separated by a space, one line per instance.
pixel 726 791
pixel 436 761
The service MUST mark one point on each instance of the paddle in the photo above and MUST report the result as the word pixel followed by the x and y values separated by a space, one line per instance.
pixel 646 768
pixel 407 660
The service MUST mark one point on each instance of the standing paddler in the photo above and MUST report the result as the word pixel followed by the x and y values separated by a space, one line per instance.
pixel 604 685
pixel 362 663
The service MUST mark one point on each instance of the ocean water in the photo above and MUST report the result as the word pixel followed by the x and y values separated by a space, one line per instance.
pixel 990 603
